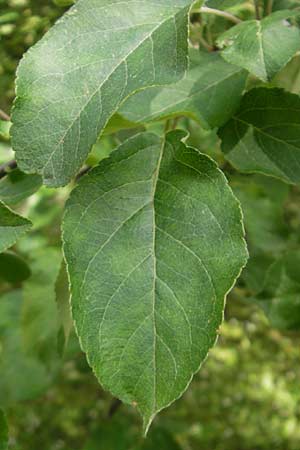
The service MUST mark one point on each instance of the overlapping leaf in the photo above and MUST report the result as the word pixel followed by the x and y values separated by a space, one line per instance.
pixel 263 47
pixel 16 186
pixel 281 294
pixel 210 94
pixel 12 226
pixel 153 241
pixel 76 77
pixel 264 135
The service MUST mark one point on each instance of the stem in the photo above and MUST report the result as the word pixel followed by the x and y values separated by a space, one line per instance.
pixel 4 116
pixel 7 167
pixel 115 405
pixel 218 12
pixel 257 13
pixel 269 7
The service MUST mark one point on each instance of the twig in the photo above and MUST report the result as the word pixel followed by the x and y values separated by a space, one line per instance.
pixel 4 116
pixel 115 405
pixel 82 172
pixel 269 7
pixel 7 167
pixel 218 12
pixel 257 13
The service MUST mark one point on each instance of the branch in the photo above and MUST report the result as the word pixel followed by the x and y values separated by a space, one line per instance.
pixel 257 13
pixel 4 116
pixel 218 12
pixel 7 167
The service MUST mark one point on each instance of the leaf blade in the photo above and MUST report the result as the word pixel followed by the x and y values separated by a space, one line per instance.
pixel 266 123
pixel 127 313
pixel 68 87
pixel 12 226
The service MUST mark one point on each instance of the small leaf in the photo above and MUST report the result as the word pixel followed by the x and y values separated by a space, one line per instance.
pixel 13 268
pixel 12 227
pixel 280 298
pixel 263 47
pixel 3 431
pixel 4 129
pixel 16 186
pixel 264 135
pixel 76 77
pixel 210 94
pixel 153 241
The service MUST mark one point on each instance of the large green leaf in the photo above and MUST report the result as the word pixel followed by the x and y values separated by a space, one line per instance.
pixel 210 94
pixel 16 186
pixel 262 47
pixel 12 227
pixel 76 77
pixel 153 241
pixel 3 431
pixel 264 135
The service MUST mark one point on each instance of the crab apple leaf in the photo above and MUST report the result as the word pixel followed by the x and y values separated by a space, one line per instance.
pixel 12 226
pixel 153 240
pixel 263 47
pixel 210 93
pixel 264 135
pixel 72 81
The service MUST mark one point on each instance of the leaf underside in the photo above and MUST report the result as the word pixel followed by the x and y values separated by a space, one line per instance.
pixel 153 241
pixel 72 81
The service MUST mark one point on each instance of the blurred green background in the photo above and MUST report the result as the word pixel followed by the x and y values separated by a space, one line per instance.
pixel 247 394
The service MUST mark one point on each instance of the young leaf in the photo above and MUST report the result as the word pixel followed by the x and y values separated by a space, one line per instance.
pixel 264 135
pixel 3 431
pixel 12 227
pixel 263 47
pixel 16 186
pixel 210 94
pixel 76 77
pixel 153 241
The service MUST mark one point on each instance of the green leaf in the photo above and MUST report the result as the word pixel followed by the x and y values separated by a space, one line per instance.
pixel 263 47
pixel 280 298
pixel 76 77
pixel 40 318
pixel 13 268
pixel 63 304
pixel 222 4
pixel 22 376
pixel 3 431
pixel 12 227
pixel 16 186
pixel 4 129
pixel 210 94
pixel 264 135
pixel 153 241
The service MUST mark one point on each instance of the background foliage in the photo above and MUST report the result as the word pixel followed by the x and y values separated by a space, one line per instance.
pixel 247 394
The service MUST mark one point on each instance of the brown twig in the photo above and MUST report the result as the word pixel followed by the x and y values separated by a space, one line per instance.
pixel 4 116
pixel 257 13
pixel 115 405
pixel 7 167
